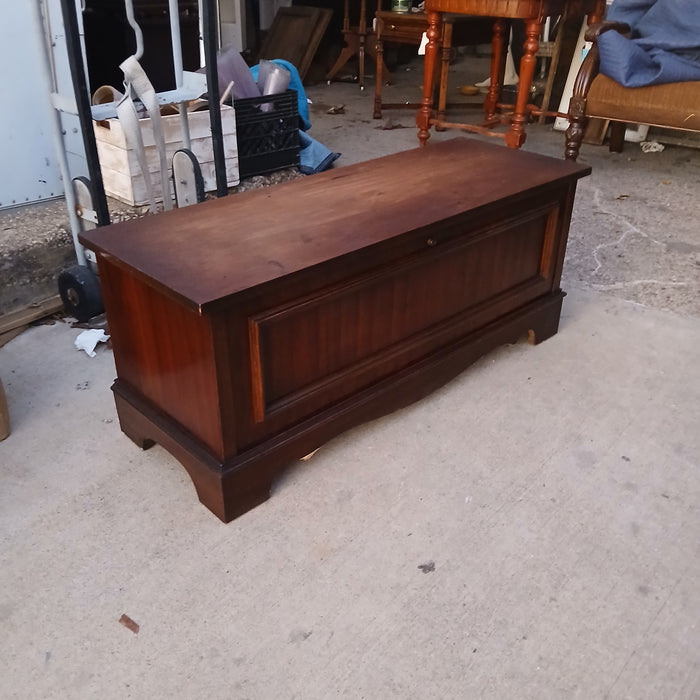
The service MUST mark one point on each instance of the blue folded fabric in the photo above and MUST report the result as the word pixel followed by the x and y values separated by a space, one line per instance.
pixel 664 45
pixel 314 157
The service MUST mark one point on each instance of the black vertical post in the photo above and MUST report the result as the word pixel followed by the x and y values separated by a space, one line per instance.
pixel 82 100
pixel 209 29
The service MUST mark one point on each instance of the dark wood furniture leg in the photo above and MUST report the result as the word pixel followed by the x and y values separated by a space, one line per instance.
pixel 230 489
pixel 431 51
pixel 359 41
pixel 349 50
pixel 354 43
pixel 228 493
pixel 357 45
pixel 574 135
pixel 577 104
pixel 617 136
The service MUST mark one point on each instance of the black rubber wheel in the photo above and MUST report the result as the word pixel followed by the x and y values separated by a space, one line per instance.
pixel 80 292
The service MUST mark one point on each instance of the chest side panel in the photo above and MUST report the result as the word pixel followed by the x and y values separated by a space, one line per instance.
pixel 164 352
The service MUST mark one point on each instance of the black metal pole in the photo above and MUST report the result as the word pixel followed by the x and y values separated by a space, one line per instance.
pixel 210 47
pixel 82 100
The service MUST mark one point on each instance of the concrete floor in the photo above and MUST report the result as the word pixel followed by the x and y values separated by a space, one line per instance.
pixel 531 530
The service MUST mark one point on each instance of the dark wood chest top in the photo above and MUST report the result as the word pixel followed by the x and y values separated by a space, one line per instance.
pixel 213 251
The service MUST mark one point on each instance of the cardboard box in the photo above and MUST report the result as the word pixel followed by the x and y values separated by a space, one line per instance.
pixel 121 172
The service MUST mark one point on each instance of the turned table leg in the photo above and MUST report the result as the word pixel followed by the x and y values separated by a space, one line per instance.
pixel 499 51
pixel 363 40
pixel 431 55
pixel 361 61
pixel 444 70
pixel 516 135
pixel 379 74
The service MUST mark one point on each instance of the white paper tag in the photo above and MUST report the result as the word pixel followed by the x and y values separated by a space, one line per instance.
pixel 423 42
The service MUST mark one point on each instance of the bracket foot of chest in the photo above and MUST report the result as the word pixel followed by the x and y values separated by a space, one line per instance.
pixel 231 488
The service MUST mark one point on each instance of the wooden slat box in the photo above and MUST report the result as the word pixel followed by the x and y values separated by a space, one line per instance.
pixel 249 330
pixel 122 174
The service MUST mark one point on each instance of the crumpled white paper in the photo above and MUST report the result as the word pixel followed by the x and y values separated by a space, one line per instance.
pixel 87 340
pixel 651 146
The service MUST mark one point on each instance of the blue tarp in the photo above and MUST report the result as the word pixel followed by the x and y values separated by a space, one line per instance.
pixel 664 46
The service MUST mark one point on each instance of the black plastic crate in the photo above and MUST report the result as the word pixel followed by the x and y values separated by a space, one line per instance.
pixel 267 131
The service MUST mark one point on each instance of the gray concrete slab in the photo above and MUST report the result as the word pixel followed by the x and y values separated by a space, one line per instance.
pixel 530 530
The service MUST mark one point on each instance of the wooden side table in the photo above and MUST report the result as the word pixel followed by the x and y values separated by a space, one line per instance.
pixel 533 12
pixel 392 27
pixel 358 42
pixel 397 29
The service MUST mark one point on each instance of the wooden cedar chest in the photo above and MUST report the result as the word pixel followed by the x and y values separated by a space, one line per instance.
pixel 249 330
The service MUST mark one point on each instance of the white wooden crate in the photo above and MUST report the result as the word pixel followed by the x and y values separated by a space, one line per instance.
pixel 122 174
